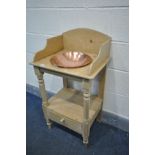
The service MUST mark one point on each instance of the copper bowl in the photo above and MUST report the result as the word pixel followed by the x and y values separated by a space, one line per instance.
pixel 70 59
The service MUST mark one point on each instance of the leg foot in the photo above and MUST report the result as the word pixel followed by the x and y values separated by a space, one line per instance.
pixel 86 143
pixel 86 139
pixel 49 124
pixel 99 117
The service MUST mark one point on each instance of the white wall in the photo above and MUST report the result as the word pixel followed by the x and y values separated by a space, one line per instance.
pixel 47 18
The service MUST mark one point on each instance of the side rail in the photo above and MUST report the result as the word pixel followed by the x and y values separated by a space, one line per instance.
pixel 53 45
pixel 102 58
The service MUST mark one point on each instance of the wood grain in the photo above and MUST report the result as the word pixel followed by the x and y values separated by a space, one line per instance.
pixel 69 107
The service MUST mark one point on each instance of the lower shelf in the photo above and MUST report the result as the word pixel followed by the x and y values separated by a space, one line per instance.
pixel 66 107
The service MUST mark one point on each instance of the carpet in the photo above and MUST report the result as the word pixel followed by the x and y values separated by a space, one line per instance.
pixel 104 139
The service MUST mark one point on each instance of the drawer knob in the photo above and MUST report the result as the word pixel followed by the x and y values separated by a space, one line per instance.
pixel 62 120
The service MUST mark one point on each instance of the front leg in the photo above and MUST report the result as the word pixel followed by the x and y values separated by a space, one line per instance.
pixel 43 94
pixel 86 104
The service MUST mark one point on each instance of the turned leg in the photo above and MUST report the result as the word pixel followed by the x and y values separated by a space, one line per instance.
pixel 101 91
pixel 86 102
pixel 48 121
pixel 43 94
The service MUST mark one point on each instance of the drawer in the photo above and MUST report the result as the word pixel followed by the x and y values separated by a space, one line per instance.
pixel 67 122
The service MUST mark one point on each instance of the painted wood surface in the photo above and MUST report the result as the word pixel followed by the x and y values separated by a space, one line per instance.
pixel 76 3
pixel 113 22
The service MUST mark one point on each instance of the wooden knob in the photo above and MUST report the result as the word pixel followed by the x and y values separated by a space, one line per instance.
pixel 62 120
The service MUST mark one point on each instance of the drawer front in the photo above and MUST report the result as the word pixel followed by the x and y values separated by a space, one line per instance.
pixel 67 122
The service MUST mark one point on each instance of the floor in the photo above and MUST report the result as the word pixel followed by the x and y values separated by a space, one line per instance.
pixel 104 139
